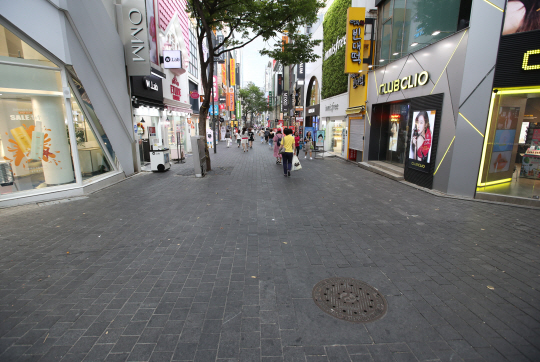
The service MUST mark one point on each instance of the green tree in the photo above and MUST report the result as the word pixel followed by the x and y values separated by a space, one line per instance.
pixel 253 100
pixel 241 22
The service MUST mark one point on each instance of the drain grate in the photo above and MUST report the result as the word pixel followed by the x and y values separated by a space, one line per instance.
pixel 350 299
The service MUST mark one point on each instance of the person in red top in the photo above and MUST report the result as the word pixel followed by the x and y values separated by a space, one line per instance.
pixel 421 140
pixel 297 143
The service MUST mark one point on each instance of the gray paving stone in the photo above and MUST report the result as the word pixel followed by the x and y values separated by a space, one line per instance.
pixel 211 275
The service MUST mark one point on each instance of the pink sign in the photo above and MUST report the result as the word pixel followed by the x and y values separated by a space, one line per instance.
pixel 216 91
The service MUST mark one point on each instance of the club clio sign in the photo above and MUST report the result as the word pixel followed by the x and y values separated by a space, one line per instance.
pixel 411 81
pixel 135 36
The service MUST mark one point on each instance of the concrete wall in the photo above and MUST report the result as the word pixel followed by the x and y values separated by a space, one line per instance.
pixel 475 95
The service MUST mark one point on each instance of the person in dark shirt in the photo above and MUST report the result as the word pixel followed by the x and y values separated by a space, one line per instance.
pixel 251 136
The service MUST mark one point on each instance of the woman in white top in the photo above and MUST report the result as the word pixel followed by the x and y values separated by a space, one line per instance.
pixel 245 139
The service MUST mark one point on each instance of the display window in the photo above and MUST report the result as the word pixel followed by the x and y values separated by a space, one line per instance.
pixel 390 133
pixel 35 149
pixel 92 156
pixel 510 163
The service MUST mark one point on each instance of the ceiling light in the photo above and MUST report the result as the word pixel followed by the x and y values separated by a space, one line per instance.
pixel 436 32
pixel 395 54
pixel 382 60
pixel 414 44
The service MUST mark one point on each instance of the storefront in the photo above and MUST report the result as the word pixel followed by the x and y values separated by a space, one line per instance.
pixel 313 108
pixel 334 123
pixel 410 113
pixel 53 143
pixel 510 163
pixel 149 119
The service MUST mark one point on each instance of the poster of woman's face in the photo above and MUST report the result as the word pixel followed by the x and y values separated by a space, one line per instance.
pixel 520 16
pixel 421 136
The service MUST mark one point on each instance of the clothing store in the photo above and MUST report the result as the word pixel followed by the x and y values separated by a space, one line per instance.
pixel 64 115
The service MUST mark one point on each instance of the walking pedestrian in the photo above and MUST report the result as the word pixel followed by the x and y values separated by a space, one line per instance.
pixel 251 138
pixel 296 144
pixel 266 134
pixel 308 142
pixel 238 138
pixel 287 143
pixel 245 138
pixel 277 141
pixel 261 134
pixel 228 137
pixel 271 136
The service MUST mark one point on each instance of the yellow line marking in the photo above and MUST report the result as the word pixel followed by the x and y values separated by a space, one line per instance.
pixel 495 6
pixel 444 155
pixel 481 134
pixel 465 32
pixel 368 119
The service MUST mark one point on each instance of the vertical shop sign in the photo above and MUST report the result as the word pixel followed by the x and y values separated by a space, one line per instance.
pixel 135 36
pixel 224 76
pixel 285 101
pixel 238 115
pixel 354 52
pixel 270 102
pixel 216 91
pixel 231 99
pixel 175 89
pixel 300 71
pixel 279 84
pixel 232 72
pixel 221 58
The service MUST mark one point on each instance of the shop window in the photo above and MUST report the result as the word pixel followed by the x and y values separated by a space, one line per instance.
pixel 35 148
pixel 87 104
pixel 92 158
pixel 11 46
pixel 193 55
pixel 510 163
pixel 409 25
pixel 313 92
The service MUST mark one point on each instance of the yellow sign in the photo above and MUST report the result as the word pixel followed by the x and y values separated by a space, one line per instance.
pixel 526 65
pixel 404 83
pixel 354 52
pixel 232 72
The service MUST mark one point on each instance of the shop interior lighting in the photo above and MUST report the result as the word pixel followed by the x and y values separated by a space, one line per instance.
pixel 395 53
pixel 436 32
pixel 381 60
pixel 414 44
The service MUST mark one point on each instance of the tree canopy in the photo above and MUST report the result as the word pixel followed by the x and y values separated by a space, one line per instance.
pixel 253 100
pixel 242 21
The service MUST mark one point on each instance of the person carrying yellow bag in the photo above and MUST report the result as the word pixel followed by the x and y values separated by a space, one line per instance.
pixel 286 150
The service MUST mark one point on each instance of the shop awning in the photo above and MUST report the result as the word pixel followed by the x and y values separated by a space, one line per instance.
pixel 177 106
pixel 355 110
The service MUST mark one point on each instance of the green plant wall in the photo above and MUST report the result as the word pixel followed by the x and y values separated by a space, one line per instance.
pixel 334 81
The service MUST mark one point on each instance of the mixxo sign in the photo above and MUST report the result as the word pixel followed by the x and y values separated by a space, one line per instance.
pixel 135 34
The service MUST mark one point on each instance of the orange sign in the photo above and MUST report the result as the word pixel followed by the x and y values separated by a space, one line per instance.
pixel 224 74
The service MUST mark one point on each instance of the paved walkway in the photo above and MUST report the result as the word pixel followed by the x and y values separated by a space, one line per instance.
pixel 166 267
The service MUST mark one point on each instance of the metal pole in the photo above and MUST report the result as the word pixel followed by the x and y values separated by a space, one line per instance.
pixel 213 116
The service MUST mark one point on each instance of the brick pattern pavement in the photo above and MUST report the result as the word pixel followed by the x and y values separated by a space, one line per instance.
pixel 164 267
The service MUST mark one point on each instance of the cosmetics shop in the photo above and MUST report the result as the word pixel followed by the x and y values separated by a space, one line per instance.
pixel 409 111
pixel 510 163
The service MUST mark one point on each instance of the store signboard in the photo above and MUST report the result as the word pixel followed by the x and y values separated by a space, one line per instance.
pixel 221 57
pixel 231 99
pixel 411 81
pixel 150 87
pixel 172 59
pixel 301 70
pixel 279 84
pixel 354 51
pixel 232 71
pixel 135 37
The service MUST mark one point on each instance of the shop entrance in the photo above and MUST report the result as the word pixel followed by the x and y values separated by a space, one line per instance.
pixel 510 163
pixel 388 136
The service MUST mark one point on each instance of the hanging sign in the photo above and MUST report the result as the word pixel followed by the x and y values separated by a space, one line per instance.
pixel 135 36
pixel 354 52
pixel 172 59
pixel 232 72
pixel 231 99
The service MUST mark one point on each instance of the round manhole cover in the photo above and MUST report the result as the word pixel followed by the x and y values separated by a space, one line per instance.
pixel 350 299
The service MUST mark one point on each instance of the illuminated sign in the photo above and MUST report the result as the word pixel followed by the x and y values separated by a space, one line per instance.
pixel 354 52
pixel 394 117
pixel 526 65
pixel 404 83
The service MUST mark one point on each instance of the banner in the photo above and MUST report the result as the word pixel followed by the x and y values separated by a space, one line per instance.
pixel 231 99
pixel 216 91
pixel 238 114
pixel 232 72
pixel 224 75
pixel 421 137
pixel 354 51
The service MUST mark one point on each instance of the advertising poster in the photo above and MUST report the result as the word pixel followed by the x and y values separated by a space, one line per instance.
pixel 320 139
pixel 421 140
pixel 209 136
pixel 394 132
pixel 152 40
pixel 508 117
pixel 504 140
pixel 280 123
pixel 520 16
pixel 500 161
